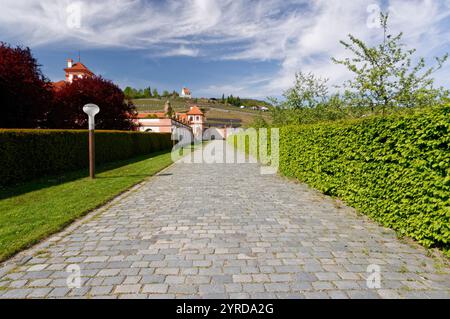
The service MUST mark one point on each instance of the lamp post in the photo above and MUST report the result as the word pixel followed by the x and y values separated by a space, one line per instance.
pixel 91 110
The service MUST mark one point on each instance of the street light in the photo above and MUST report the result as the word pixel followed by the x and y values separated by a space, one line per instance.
pixel 91 110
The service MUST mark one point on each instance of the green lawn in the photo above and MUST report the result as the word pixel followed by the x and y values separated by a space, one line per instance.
pixel 32 211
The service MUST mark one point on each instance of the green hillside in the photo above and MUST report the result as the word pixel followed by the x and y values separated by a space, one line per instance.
pixel 217 114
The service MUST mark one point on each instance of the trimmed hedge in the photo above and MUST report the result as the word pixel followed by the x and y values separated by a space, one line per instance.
pixel 396 169
pixel 30 154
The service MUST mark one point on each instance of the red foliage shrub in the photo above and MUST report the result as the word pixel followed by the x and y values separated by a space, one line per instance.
pixel 25 93
pixel 67 109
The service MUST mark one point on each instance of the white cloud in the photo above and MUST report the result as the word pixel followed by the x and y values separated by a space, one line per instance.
pixel 296 34
pixel 181 51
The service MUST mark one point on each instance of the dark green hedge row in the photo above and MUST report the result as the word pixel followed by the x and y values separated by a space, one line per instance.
pixel 396 170
pixel 30 154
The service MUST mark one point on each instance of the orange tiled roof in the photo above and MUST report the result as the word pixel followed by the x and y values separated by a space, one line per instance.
pixel 148 115
pixel 58 85
pixel 79 67
pixel 195 110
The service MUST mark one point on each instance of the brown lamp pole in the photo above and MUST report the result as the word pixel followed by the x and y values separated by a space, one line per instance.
pixel 91 110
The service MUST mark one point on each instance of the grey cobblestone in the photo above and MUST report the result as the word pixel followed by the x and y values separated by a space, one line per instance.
pixel 224 230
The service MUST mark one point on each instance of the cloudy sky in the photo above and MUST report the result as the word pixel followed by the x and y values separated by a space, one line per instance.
pixel 240 47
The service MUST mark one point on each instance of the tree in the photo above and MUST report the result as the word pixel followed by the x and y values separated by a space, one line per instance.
pixel 259 122
pixel 223 98
pixel 115 112
pixel 147 93
pixel 129 94
pixel 165 93
pixel 25 93
pixel 155 93
pixel 168 111
pixel 309 91
pixel 385 76
pixel 175 94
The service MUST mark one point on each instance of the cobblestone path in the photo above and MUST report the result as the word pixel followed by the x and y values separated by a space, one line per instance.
pixel 223 231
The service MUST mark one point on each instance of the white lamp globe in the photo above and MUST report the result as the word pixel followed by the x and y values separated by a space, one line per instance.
pixel 91 109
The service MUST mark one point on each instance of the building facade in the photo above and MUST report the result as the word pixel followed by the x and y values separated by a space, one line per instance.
pixel 189 125
pixel 186 93
pixel 73 71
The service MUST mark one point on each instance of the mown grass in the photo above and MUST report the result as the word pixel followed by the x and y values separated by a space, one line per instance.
pixel 35 210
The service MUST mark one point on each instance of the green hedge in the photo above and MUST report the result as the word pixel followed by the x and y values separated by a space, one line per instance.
pixel 30 154
pixel 396 170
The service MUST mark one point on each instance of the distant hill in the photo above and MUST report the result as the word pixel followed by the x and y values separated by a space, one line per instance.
pixel 217 113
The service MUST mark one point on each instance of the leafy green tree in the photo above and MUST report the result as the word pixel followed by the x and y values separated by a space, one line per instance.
pixel 259 122
pixel 168 110
pixel 308 92
pixel 147 93
pixel 165 93
pixel 128 92
pixel 384 75
pixel 155 93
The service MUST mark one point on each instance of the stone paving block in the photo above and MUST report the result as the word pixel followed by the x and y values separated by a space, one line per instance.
pixel 101 290
pixel 16 293
pixel 346 284
pixel 108 272
pixel 18 283
pixel 323 285
pixel 155 288
pixel 183 289
pixel 127 289
pixel 58 292
pixel 263 295
pixel 316 295
pixel 133 296
pixel 252 288
pixel 242 278
pixel 363 294
pixel 39 293
pixel 79 292
pixel 37 267
pixel 239 295
pixel 277 287
pixel 167 271
pixel 211 289
pixel 280 278
pixel 337 294
pixel 221 279
pixel 230 288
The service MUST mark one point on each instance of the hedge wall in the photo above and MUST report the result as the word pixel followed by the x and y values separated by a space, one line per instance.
pixel 396 170
pixel 29 154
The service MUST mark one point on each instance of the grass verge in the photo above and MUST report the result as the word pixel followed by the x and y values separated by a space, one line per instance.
pixel 32 211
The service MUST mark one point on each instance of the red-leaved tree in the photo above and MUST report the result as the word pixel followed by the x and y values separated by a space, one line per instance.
pixel 67 108
pixel 25 93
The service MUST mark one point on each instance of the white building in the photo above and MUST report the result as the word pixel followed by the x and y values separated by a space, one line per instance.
pixel 185 92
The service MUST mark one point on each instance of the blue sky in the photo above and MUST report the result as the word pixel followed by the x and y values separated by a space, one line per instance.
pixel 240 47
